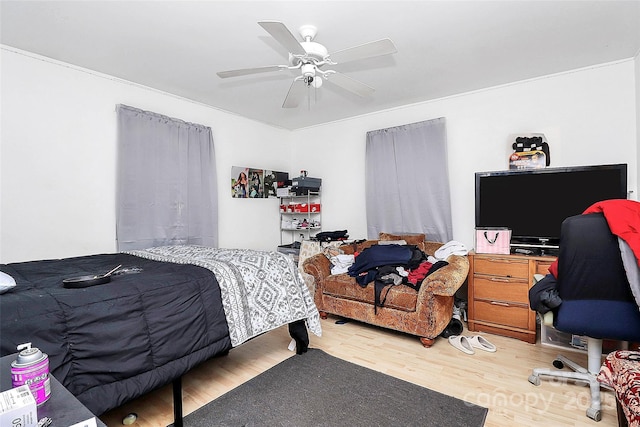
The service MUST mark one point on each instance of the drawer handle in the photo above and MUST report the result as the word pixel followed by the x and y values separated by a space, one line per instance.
pixel 505 261
pixel 500 279
pixel 502 304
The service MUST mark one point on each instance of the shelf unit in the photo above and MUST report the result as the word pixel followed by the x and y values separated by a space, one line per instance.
pixel 300 216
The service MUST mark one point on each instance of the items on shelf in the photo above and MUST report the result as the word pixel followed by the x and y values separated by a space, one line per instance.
pixel 304 185
pixel 530 152
pixel 294 207
pixel 300 209
pixel 295 224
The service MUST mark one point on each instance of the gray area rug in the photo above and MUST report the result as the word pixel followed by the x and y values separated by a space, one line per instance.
pixel 316 389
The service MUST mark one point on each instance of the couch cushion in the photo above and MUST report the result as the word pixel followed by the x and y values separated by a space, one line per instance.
pixel 400 297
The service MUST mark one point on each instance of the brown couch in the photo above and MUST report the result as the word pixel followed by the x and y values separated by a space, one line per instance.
pixel 424 313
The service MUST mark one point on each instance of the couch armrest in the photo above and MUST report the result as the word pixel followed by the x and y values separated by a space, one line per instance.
pixel 318 266
pixel 446 280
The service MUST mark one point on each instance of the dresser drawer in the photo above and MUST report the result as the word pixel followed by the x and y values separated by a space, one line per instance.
pixel 497 288
pixel 513 315
pixel 543 268
pixel 499 293
pixel 499 266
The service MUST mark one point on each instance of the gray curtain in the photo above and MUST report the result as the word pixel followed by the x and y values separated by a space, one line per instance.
pixel 407 181
pixel 166 189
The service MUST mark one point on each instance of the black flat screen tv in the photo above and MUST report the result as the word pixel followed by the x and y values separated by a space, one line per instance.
pixel 534 202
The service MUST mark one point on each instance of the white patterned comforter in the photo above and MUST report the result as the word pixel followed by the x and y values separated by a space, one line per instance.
pixel 261 290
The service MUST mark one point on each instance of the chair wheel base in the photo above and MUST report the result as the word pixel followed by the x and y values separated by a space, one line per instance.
pixel 534 379
pixel 594 414
pixel 558 364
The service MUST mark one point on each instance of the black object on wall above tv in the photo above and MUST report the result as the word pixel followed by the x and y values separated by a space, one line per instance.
pixel 534 202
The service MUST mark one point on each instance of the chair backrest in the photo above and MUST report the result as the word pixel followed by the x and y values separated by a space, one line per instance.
pixel 589 264
pixel 597 300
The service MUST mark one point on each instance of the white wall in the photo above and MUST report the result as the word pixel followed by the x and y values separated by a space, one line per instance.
pixel 57 176
pixel 588 117
pixel 59 151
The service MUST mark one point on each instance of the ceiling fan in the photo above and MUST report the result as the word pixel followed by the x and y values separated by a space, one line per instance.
pixel 310 57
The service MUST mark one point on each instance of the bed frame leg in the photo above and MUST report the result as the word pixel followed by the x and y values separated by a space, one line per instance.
pixel 177 402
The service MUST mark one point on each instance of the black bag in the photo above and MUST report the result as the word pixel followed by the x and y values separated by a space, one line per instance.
pixel 544 296
pixel 328 236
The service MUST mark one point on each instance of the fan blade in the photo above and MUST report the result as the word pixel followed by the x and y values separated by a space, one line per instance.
pixel 350 84
pixel 296 93
pixel 247 71
pixel 367 50
pixel 283 36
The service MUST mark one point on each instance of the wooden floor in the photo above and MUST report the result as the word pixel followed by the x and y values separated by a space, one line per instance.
pixel 497 381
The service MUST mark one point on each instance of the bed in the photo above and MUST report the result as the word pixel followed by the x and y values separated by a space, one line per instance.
pixel 165 310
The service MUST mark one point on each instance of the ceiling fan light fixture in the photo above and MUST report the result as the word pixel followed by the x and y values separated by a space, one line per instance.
pixel 308 32
pixel 315 52
pixel 310 57
pixel 308 70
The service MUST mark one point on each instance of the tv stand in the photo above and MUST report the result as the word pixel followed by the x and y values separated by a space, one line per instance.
pixel 498 288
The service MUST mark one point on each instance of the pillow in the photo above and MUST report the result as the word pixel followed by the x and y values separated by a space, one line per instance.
pixel 392 242
pixel 411 239
pixel 6 282
pixel 331 251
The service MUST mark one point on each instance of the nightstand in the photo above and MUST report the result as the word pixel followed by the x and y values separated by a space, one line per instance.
pixel 62 407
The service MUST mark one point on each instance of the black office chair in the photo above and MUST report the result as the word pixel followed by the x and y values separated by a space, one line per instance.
pixel 597 301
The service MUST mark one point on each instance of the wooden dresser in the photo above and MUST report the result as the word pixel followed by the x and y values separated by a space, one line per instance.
pixel 499 293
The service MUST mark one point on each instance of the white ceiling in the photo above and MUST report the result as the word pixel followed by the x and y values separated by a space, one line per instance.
pixel 444 47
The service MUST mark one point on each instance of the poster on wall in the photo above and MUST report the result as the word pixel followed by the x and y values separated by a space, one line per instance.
pixel 239 182
pixel 274 180
pixel 256 183
pixel 251 183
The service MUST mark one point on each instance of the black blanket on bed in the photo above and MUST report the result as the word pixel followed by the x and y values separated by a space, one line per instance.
pixel 113 342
